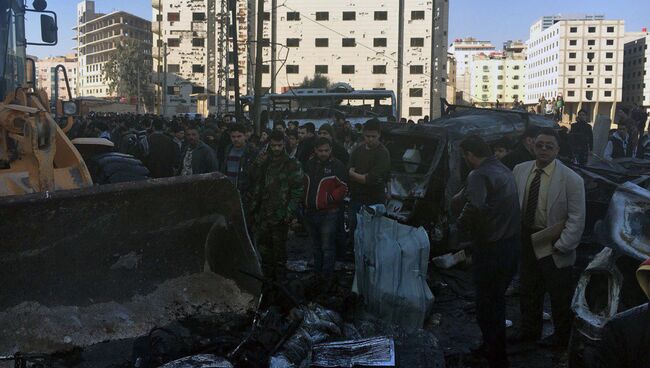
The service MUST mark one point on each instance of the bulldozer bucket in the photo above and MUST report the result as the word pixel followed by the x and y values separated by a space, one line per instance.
pixel 110 262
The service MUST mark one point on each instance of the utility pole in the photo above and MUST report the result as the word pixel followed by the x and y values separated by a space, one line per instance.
pixel 259 48
pixel 137 104
pixel 235 46
pixel 164 88
pixel 274 42
pixel 433 79
pixel 400 59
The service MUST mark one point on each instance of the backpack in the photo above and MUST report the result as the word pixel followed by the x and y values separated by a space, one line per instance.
pixel 136 143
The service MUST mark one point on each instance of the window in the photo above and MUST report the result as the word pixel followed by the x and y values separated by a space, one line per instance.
pixel 173 17
pixel 321 69
pixel 572 68
pixel 379 42
pixel 516 67
pixel 173 68
pixel 610 29
pixel 610 42
pixel 500 77
pixel 417 42
pixel 573 42
pixel 516 86
pixel 500 67
pixel 174 90
pixel 266 69
pixel 608 68
pixel 293 69
pixel 349 15
pixel 591 56
pixel 415 111
pixel 608 93
pixel 267 16
pixel 590 68
pixel 198 68
pixel 571 93
pixel 347 69
pixel 293 42
pixel 198 42
pixel 198 89
pixel 590 80
pixel 416 69
pixel 609 55
pixel 159 17
pixel 197 17
pixel 573 29
pixel 294 16
pixel 173 42
pixel 349 42
pixel 591 29
pixel 379 69
pixel 500 86
pixel 591 42
pixel 417 14
pixel 608 80
pixel 381 15
pixel 415 92
pixel 322 42
pixel 571 81
pixel 322 16
pixel 515 77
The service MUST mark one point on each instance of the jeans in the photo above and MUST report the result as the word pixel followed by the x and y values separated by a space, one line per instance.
pixel 271 241
pixel 321 227
pixel 494 266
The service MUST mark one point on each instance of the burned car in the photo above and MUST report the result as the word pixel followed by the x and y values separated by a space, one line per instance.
pixel 427 166
pixel 608 286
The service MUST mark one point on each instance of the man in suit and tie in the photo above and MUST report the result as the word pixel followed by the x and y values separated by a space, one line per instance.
pixel 551 196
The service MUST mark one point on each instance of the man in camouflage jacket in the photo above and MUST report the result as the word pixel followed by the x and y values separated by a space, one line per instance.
pixel 277 192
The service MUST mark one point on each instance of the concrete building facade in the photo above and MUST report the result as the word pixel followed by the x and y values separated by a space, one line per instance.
pixel 46 76
pixel 97 36
pixel 636 79
pixel 579 58
pixel 498 78
pixel 451 79
pixel 464 51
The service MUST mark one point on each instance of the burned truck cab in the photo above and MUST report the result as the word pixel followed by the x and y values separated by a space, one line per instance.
pixel 428 169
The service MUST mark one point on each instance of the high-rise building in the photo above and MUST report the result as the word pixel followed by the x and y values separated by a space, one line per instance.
pixel 48 78
pixel 498 78
pixel 636 79
pixel 579 58
pixel 451 79
pixel 357 43
pixel 464 51
pixel 97 36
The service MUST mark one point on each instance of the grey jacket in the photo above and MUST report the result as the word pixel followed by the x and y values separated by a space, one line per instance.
pixel 491 211
pixel 204 159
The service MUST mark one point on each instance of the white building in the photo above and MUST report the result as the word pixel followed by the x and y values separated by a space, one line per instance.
pixel 46 75
pixel 636 80
pixel 97 36
pixel 464 51
pixel 579 58
pixel 498 78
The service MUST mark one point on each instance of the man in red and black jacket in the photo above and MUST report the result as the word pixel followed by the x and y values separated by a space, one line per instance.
pixel 325 189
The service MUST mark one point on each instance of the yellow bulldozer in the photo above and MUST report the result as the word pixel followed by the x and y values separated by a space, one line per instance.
pixel 82 263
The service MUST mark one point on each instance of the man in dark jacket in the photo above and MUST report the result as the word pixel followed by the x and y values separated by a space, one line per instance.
pixel 307 137
pixel 324 193
pixel 238 160
pixel 626 337
pixel 491 216
pixel 619 144
pixel 198 158
pixel 338 151
pixel 524 150
pixel 582 137
pixel 164 154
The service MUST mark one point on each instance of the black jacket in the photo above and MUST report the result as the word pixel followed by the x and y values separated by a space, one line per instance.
pixel 164 155
pixel 245 165
pixel 115 167
pixel 625 341
pixel 204 159
pixel 582 137
pixel 518 155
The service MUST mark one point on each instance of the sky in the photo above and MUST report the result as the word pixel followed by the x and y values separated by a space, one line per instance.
pixel 492 20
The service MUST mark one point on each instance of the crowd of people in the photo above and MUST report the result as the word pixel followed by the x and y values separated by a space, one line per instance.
pixel 295 173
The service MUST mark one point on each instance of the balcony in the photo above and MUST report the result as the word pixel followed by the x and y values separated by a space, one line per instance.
pixel 155 27
pixel 156 4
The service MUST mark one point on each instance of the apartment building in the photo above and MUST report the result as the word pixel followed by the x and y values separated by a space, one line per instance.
pixel 97 36
pixel 579 58
pixel 359 43
pixel 47 78
pixel 451 79
pixel 636 79
pixel 498 78
pixel 464 50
